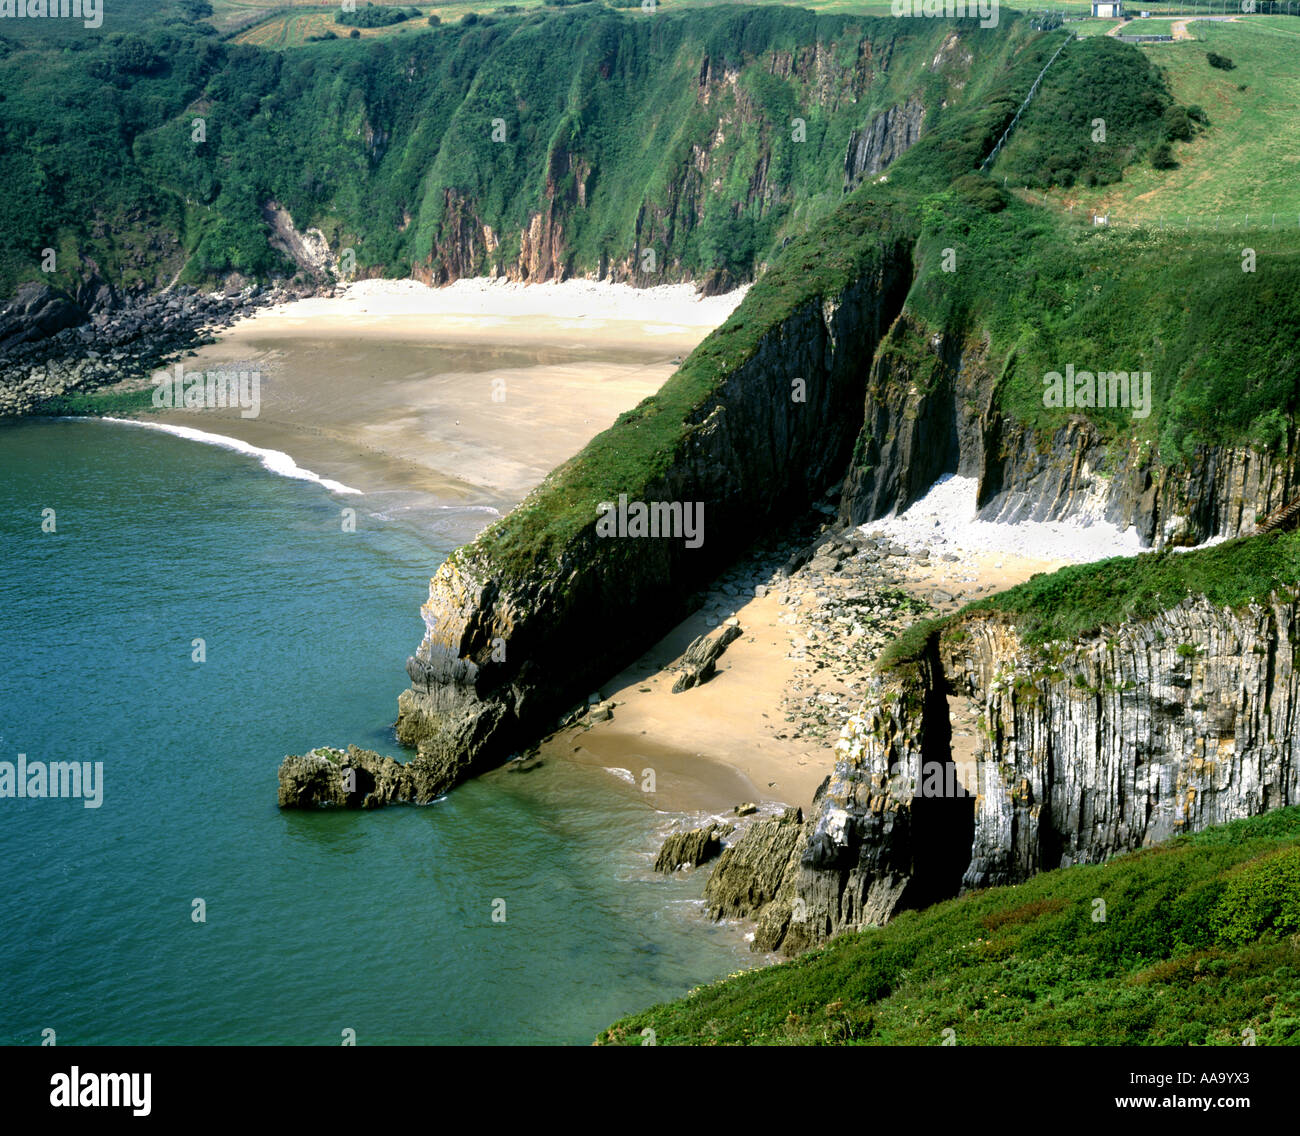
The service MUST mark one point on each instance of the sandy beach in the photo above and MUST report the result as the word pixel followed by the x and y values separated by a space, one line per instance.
pixel 444 406
pixel 763 729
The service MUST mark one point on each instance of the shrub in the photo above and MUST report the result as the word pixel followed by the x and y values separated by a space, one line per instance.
pixel 1222 62
pixel 1178 123
pixel 1162 157
pixel 1264 895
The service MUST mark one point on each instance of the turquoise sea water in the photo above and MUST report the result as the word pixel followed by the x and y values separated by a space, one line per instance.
pixel 316 923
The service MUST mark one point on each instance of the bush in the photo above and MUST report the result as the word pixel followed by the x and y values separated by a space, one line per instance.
pixel 354 34
pixel 1222 62
pixel 1263 896
pixel 1178 123
pixel 981 193
pixel 434 21
pixel 1162 157
pixel 374 16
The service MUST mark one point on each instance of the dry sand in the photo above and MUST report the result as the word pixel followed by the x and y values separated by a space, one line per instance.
pixel 716 746
pixel 443 407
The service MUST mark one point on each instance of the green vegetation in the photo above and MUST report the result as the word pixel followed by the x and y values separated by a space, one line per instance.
pixel 70 110
pixel 1221 345
pixel 1199 943
pixel 1099 107
pixel 112 403
pixel 1242 167
pixel 389 143
pixel 376 16
pixel 1083 598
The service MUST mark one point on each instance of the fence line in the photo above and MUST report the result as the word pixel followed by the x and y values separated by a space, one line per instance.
pixel 984 165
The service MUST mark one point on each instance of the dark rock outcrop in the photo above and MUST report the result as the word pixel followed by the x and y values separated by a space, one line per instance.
pixel 1090 748
pixel 36 312
pixel 357 779
pixel 753 880
pixel 699 662
pixel 887 137
pixel 693 848
pixel 105 338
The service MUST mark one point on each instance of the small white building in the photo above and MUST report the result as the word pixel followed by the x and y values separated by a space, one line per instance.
pixel 1107 9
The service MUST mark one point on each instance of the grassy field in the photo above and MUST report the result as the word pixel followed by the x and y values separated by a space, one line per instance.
pixel 1193 942
pixel 1244 163
pixel 287 23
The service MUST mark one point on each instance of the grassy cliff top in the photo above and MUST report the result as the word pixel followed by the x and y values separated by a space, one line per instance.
pixel 1083 599
pixel 1200 941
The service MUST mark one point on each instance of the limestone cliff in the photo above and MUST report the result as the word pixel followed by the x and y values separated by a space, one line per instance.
pixel 931 409
pixel 506 653
pixel 1115 741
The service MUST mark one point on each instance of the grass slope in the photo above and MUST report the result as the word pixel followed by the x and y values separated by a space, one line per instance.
pixel 1200 942
pixel 1245 161
pixel 1083 599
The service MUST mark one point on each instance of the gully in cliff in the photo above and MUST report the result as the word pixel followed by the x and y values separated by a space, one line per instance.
pixel 675 519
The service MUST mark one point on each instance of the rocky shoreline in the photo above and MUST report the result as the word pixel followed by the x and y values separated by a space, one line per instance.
pixel 53 344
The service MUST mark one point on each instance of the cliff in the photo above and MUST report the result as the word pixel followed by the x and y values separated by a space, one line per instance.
pixel 1089 746
pixel 751 433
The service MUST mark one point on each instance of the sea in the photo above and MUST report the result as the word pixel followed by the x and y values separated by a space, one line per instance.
pixel 185 614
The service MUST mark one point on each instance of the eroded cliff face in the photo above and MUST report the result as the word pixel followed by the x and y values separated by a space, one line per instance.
pixel 1088 749
pixel 1219 492
pixel 889 135
pixel 471 240
pixel 501 662
pixel 930 409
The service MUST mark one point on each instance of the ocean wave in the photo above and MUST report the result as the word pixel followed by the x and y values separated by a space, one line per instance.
pixel 469 509
pixel 275 461
pixel 621 774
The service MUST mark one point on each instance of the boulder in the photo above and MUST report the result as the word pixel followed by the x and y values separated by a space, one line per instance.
pixel 699 662
pixel 357 779
pixel 692 848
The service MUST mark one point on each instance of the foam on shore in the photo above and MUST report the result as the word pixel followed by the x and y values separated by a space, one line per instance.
pixel 275 461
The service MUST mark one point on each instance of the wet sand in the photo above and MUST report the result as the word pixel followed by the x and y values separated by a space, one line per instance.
pixel 444 407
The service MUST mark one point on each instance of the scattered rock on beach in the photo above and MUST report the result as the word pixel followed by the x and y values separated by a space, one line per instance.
pixel 699 662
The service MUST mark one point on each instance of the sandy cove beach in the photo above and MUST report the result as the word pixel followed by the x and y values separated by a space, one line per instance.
pixel 444 406
pixel 388 389
pixel 763 729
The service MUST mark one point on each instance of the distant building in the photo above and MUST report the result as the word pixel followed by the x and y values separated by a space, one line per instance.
pixel 1108 9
